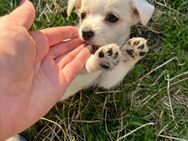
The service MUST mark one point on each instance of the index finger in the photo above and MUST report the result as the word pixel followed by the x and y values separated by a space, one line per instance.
pixel 23 15
pixel 76 65
pixel 57 35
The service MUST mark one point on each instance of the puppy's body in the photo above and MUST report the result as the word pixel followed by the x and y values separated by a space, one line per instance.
pixel 80 82
pixel 107 23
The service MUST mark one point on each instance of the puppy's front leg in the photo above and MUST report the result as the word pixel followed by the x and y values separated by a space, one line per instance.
pixel 105 59
pixel 134 50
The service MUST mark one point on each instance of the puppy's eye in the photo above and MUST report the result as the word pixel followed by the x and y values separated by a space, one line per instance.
pixel 111 18
pixel 83 15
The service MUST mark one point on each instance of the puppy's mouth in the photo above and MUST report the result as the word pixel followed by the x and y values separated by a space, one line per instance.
pixel 92 47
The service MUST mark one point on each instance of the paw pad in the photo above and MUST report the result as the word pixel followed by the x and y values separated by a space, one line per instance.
pixel 108 56
pixel 130 52
pixel 101 54
pixel 136 47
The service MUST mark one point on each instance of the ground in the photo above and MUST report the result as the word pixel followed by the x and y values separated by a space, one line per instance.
pixel 151 104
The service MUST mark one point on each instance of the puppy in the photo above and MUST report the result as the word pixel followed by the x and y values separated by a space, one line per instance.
pixel 105 26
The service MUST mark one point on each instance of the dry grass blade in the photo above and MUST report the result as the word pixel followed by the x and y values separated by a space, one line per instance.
pixel 142 126
pixel 172 138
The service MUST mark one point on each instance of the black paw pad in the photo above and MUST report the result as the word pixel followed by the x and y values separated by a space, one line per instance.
pixel 136 43
pixel 101 54
pixel 130 52
pixel 105 66
pixel 141 47
pixel 142 53
pixel 109 52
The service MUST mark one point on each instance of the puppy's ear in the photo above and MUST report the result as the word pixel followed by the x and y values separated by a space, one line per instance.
pixel 142 11
pixel 73 4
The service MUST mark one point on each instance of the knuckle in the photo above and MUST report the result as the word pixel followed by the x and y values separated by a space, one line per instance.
pixel 22 39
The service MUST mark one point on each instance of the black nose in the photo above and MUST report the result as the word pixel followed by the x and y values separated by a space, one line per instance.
pixel 87 34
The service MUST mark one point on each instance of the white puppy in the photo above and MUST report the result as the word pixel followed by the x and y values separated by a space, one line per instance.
pixel 105 25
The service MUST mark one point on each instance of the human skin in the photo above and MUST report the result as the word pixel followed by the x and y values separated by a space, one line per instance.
pixel 33 73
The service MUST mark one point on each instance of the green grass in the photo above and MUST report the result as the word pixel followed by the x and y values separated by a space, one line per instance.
pixel 155 91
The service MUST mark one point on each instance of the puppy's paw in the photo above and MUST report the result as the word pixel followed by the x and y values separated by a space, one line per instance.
pixel 108 56
pixel 136 48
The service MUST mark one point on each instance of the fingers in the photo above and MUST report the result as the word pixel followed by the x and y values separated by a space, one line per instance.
pixel 59 34
pixel 23 15
pixel 65 47
pixel 77 64
pixel 41 44
pixel 64 60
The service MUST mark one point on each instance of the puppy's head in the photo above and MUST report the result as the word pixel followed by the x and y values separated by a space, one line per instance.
pixel 109 21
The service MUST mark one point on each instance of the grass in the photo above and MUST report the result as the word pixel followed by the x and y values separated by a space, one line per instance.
pixel 151 104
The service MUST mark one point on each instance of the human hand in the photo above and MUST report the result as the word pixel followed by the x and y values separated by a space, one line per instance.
pixel 33 73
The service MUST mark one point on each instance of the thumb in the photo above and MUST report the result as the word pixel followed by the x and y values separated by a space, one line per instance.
pixel 24 14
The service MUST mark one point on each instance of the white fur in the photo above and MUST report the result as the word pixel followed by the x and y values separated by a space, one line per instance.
pixel 129 13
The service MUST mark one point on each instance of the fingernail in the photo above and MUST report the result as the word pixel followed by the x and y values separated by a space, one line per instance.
pixel 22 1
pixel 89 47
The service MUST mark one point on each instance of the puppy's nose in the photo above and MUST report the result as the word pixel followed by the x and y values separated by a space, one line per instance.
pixel 87 34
